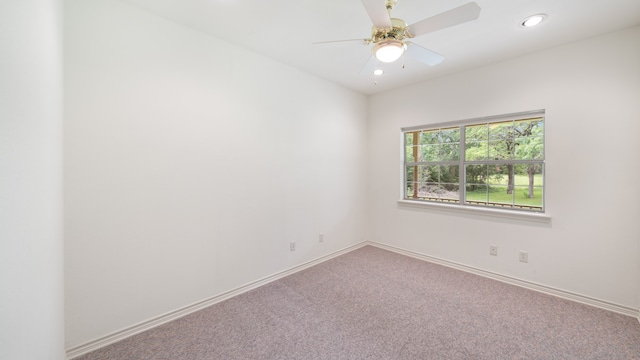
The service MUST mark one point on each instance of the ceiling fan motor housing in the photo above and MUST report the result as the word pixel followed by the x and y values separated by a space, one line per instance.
pixel 388 43
pixel 397 32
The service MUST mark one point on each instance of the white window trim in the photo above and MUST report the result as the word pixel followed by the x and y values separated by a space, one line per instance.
pixel 542 217
pixel 477 210
pixel 496 118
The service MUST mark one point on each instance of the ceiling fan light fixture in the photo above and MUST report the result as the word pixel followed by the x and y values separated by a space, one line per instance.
pixel 388 51
pixel 533 20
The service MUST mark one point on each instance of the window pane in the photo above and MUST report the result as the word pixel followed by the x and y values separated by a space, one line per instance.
pixel 529 139
pixel 528 127
pixel 450 135
pixel 428 173
pixel 429 152
pixel 449 192
pixel 502 149
pixel 410 190
pixel 528 174
pixel 528 198
pixel 501 131
pixel 409 154
pixel 432 173
pixel 499 195
pixel 529 148
pixel 476 132
pixel 429 137
pixel 428 190
pixel 476 174
pixel 449 174
pixel 438 191
pixel 409 173
pixel 411 181
pixel 528 186
pixel 476 194
pixel 476 150
pixel 498 174
pixel 449 152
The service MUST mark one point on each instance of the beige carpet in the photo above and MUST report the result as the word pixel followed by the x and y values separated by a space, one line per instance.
pixel 375 304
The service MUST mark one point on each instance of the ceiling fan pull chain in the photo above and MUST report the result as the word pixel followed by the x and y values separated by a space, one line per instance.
pixel 377 66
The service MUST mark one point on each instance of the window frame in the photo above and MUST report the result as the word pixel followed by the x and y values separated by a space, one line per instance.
pixel 461 204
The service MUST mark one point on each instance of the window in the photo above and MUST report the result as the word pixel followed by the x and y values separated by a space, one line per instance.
pixel 493 162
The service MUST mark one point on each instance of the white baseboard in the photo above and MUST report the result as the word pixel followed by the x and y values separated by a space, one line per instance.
pixel 98 343
pixel 116 336
pixel 621 309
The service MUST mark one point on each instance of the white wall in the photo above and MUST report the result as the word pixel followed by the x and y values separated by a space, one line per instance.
pixel 190 164
pixel 31 278
pixel 590 90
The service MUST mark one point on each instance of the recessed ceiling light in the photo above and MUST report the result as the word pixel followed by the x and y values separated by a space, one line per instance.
pixel 533 20
pixel 378 72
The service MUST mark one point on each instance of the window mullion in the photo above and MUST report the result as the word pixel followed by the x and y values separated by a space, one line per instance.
pixel 416 138
pixel 462 181
pixel 504 161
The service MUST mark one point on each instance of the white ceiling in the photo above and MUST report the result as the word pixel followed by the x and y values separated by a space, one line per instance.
pixel 285 30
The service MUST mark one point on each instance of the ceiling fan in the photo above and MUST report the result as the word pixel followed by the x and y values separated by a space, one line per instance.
pixel 389 35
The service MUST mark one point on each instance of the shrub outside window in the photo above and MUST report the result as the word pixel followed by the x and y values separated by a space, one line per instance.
pixel 493 162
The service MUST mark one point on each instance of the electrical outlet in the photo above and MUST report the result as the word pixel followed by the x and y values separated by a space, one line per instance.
pixel 321 238
pixel 292 246
pixel 493 250
pixel 524 257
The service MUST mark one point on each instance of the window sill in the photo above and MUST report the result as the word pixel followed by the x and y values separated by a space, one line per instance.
pixel 506 214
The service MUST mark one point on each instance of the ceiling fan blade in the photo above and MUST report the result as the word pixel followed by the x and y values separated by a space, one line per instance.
pixel 343 43
pixel 377 10
pixel 456 16
pixel 423 55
